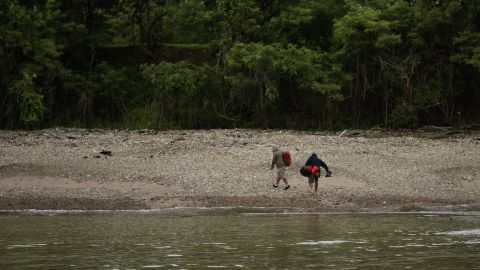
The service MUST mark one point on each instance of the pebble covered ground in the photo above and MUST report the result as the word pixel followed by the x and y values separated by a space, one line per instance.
pixel 112 169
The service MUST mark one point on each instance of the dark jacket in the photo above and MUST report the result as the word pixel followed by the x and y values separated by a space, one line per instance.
pixel 313 160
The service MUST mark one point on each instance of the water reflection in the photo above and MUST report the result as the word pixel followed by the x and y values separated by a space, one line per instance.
pixel 233 242
pixel 313 226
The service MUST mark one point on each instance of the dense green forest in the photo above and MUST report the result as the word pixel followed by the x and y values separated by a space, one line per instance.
pixel 192 64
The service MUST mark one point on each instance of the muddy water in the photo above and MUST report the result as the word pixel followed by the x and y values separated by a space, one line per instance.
pixel 240 241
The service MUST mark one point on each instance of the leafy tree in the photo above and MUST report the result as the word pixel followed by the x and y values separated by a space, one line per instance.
pixel 30 58
pixel 468 49
pixel 31 102
pixel 225 63
pixel 262 67
pixel 361 35
pixel 170 82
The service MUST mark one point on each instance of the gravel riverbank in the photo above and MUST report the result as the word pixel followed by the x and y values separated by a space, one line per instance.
pixel 110 169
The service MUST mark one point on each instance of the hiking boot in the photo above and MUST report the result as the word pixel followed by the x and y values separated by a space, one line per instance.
pixel 287 187
pixel 275 185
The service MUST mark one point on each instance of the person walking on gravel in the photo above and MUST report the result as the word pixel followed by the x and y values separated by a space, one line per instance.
pixel 279 162
pixel 312 171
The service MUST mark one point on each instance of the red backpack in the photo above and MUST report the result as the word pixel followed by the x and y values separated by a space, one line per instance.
pixel 287 158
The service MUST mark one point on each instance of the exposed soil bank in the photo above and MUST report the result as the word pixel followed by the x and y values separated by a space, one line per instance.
pixel 65 169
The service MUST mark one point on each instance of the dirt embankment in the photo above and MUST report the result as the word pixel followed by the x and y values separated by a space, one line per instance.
pixel 108 169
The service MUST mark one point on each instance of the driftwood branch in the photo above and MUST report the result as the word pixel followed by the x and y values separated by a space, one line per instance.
pixel 435 128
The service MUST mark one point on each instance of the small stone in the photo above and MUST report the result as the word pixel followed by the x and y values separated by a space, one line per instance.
pixel 106 152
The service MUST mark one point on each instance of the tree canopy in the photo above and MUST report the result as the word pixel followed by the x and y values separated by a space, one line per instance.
pixel 297 64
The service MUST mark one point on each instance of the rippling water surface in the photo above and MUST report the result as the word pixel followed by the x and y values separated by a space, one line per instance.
pixel 240 241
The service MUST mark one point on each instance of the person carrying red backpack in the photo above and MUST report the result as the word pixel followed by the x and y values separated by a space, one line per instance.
pixel 312 171
pixel 278 160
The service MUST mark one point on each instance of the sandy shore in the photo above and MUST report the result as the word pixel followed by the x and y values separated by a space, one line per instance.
pixel 65 169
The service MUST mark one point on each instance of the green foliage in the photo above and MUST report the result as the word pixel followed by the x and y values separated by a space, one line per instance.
pixel 404 117
pixel 31 103
pixel 174 87
pixel 267 64
pixel 261 70
pixel 28 50
pixel 228 63
pixel 101 94
pixel 468 49
pixel 168 78
pixel 363 28
pixel 284 27
pixel 240 19
pixel 186 22
pixel 428 94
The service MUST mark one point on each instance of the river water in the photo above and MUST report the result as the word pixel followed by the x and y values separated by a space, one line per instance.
pixel 136 240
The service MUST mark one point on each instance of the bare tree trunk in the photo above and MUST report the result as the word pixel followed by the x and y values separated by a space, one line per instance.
pixel 386 94
pixel 357 81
